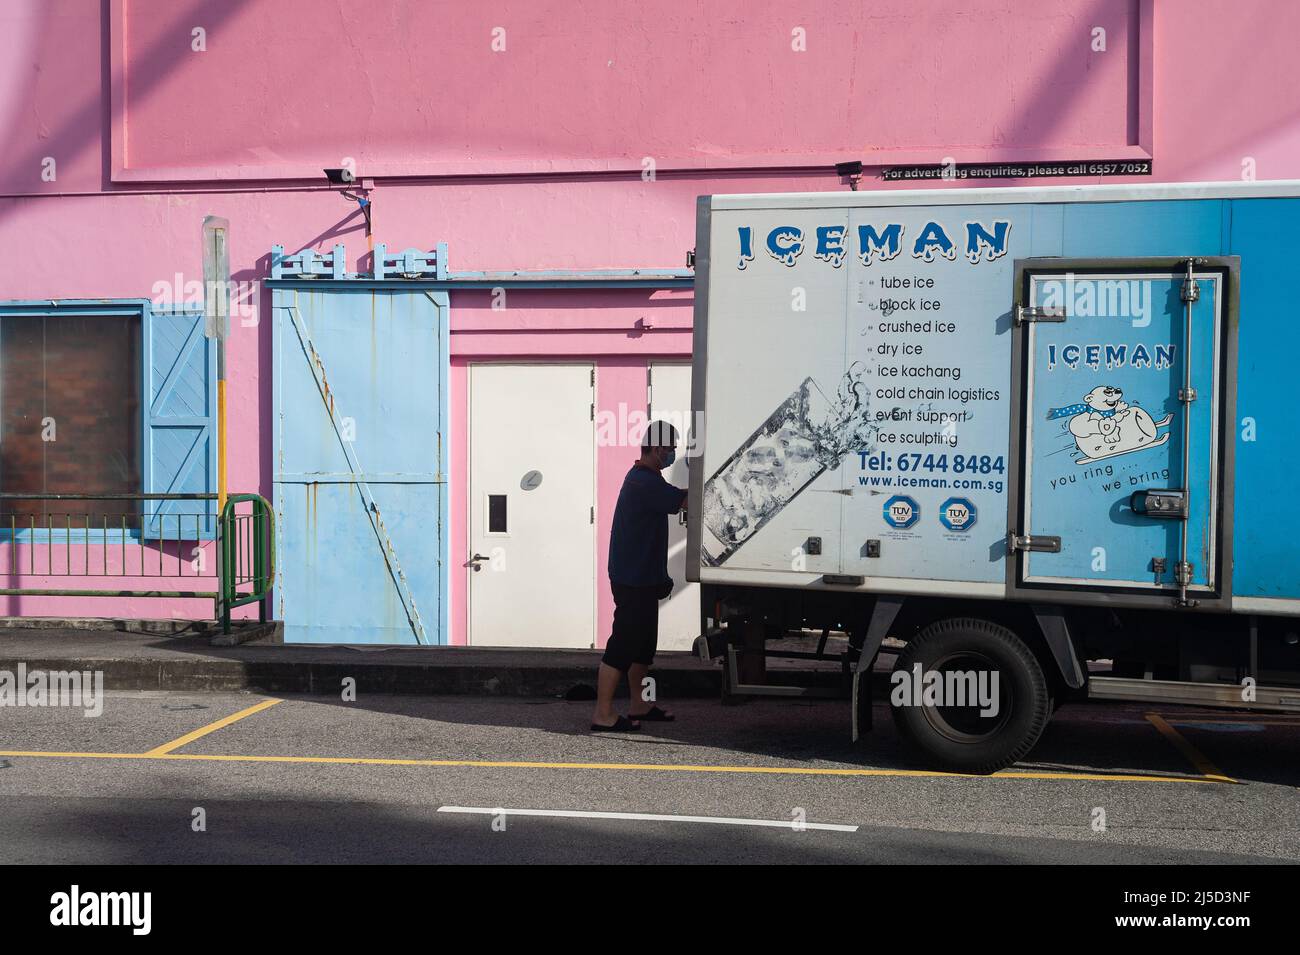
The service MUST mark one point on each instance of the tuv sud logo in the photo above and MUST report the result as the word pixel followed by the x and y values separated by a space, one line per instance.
pixel 830 243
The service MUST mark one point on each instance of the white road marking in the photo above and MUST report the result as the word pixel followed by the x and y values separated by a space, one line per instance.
pixel 647 817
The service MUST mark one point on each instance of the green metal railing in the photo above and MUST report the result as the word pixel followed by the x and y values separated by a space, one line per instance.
pixel 150 542
pixel 247 554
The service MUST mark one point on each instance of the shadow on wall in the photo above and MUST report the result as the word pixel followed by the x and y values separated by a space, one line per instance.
pixel 1236 43
pixel 92 121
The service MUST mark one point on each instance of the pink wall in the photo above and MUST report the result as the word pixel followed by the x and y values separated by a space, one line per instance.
pixel 532 157
pixel 525 86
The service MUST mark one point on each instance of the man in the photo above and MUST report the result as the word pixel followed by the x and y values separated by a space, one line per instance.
pixel 638 576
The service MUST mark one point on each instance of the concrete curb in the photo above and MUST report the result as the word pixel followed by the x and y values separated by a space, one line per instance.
pixel 271 632
pixel 106 625
pixel 253 660
pixel 327 677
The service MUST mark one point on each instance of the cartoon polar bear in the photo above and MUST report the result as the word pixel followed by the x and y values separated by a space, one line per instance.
pixel 1105 425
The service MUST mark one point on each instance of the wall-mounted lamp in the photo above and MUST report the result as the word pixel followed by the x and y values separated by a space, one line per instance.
pixel 851 171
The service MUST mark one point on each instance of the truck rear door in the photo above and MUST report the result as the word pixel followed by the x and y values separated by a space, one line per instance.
pixel 1121 398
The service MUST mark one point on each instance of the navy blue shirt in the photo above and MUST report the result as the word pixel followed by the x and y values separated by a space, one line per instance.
pixel 638 542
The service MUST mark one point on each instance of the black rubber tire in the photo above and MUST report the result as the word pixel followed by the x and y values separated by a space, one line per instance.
pixel 1026 704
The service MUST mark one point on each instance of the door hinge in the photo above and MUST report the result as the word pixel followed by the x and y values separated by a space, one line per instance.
pixel 593 411
pixel 1039 313
pixel 591 518
pixel 1048 545
pixel 593 377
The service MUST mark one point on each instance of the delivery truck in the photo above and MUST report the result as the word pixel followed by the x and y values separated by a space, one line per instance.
pixel 1042 443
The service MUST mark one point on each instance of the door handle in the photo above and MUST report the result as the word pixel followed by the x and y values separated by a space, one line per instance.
pixel 1160 502
pixel 476 560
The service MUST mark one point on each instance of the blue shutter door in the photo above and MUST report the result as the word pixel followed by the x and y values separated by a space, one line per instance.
pixel 180 452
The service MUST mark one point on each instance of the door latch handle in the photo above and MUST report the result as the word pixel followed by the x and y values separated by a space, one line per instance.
pixel 476 560
pixel 1169 503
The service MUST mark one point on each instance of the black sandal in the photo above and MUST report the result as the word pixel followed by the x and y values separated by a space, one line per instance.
pixel 654 715
pixel 620 725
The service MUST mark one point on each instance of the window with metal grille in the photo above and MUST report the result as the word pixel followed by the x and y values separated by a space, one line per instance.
pixel 107 397
pixel 69 413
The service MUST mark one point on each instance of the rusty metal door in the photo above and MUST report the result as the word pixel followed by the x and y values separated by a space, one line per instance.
pixel 360 377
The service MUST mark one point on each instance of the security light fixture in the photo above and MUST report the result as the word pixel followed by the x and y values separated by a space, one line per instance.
pixel 340 177
pixel 851 170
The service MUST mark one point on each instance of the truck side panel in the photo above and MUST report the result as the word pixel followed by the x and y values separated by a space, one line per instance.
pixel 1267 428
pixel 794 338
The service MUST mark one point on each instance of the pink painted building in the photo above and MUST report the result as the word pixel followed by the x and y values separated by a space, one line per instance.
pixel 483 401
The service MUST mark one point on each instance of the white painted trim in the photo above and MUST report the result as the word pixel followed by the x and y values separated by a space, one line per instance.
pixel 649 817
pixel 873 585
pixel 1268 606
pixel 1283 188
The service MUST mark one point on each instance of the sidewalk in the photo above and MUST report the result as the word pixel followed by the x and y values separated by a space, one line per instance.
pixel 134 660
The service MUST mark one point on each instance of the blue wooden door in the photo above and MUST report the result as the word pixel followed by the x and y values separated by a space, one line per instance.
pixel 360 464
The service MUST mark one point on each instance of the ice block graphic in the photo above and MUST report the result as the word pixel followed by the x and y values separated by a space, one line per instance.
pixel 805 436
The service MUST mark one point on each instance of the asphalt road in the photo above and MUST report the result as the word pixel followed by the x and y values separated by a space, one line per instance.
pixel 441 779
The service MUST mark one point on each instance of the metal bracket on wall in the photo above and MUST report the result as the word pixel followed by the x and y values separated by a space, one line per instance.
pixel 411 264
pixel 309 264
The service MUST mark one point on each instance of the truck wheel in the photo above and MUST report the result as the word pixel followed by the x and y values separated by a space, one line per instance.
pixel 963 737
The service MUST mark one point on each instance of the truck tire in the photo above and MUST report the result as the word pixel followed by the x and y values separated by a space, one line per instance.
pixel 960 738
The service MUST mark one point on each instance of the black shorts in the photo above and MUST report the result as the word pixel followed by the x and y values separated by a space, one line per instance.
pixel 636 626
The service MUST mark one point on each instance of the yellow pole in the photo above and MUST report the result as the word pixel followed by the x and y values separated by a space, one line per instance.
pixel 221 443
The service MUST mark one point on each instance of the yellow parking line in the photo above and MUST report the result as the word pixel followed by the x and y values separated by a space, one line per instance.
pixel 1192 754
pixel 1193 721
pixel 177 743
pixel 641 767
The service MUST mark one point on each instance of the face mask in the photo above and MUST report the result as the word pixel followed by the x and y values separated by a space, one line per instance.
pixel 670 457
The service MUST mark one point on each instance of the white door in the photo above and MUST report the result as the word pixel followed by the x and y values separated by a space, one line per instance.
pixel 669 398
pixel 532 494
